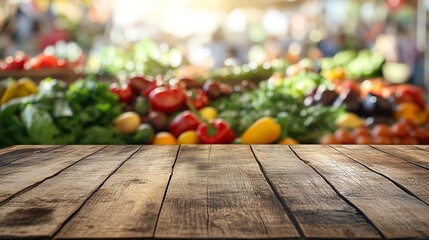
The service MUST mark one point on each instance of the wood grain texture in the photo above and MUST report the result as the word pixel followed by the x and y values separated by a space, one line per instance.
pixel 13 153
pixel 413 178
pixel 128 203
pixel 424 147
pixel 408 153
pixel 28 171
pixel 320 212
pixel 395 213
pixel 40 211
pixel 219 192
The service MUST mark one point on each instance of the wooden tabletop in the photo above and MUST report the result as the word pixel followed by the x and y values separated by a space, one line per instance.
pixel 214 191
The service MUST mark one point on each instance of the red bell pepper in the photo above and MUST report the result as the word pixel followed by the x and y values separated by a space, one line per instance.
pixel 197 97
pixel 167 99
pixel 183 122
pixel 125 93
pixel 216 132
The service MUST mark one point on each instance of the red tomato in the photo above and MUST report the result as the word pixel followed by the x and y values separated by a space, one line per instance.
pixel 421 135
pixel 364 139
pixel 139 83
pixel 382 140
pixel 409 141
pixel 361 131
pixel 124 93
pixel 329 139
pixel 382 130
pixel 16 62
pixel 344 136
pixel 167 99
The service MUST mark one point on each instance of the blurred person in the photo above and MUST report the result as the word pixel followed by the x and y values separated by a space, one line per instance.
pixel 329 46
pixel 218 48
pixel 6 41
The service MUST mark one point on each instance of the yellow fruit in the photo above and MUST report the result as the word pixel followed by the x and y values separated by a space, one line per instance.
pixel 21 92
pixel 188 137
pixel 407 111
pixel 288 141
pixel 208 113
pixel 28 85
pixel 264 131
pixel 164 138
pixel 10 91
pixel 127 122
pixel 349 120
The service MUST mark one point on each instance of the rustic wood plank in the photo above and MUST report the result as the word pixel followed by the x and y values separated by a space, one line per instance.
pixel 395 213
pixel 28 171
pixel 408 153
pixel 40 211
pixel 424 147
pixel 320 212
pixel 219 192
pixel 409 177
pixel 13 153
pixel 128 203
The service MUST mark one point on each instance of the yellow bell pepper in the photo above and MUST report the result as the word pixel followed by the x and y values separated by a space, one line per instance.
pixel 412 112
pixel 264 131
pixel 349 120
pixel 10 92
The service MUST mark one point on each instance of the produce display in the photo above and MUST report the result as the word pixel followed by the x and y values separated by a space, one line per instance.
pixel 341 100
pixel 60 56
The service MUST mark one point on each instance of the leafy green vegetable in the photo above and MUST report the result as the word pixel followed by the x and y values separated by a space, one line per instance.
pixel 283 101
pixel 81 113
pixel 39 125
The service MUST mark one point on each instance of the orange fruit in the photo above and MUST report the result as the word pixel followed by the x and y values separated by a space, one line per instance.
pixel 288 141
pixel 164 138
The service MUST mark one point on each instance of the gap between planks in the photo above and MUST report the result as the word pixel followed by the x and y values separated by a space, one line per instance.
pixel 423 196
pixel 25 152
pixel 166 190
pixel 34 185
pixel 278 197
pixel 92 194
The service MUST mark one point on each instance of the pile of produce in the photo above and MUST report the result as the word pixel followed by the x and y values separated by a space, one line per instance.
pixel 62 55
pixel 340 100
pixel 59 114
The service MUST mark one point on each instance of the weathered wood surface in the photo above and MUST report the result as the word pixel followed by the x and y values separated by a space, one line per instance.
pixel 214 191
pixel 394 212
pixel 10 154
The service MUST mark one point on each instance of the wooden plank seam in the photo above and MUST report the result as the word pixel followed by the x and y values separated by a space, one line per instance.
pixel 341 195
pixel 165 192
pixel 414 163
pixel 92 193
pixel 289 212
pixel 20 192
pixel 30 154
pixel 406 190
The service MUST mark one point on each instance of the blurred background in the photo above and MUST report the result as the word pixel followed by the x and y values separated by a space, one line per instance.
pixel 128 71
pixel 215 33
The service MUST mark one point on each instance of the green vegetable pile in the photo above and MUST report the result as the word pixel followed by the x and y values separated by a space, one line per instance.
pixel 363 64
pixel 251 71
pixel 145 57
pixel 81 113
pixel 282 100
